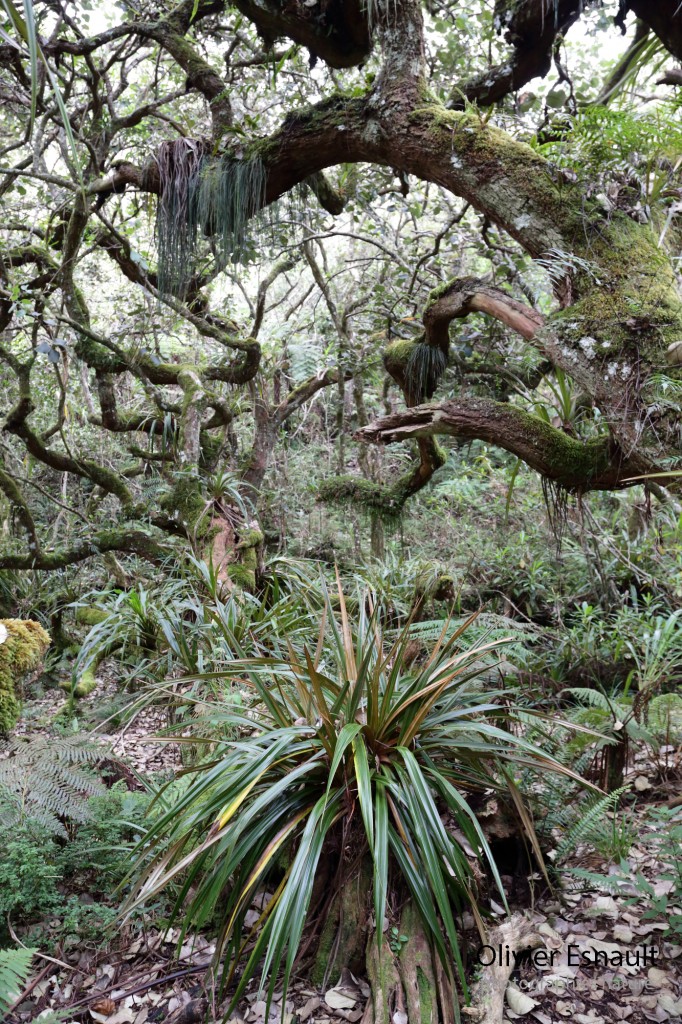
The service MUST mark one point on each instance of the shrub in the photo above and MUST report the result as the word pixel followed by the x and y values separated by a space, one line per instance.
pixel 29 873
pixel 333 790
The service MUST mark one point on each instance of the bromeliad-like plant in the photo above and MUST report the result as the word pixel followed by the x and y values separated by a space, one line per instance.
pixel 344 790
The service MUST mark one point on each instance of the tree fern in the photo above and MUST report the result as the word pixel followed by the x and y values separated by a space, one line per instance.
pixel 15 966
pixel 48 779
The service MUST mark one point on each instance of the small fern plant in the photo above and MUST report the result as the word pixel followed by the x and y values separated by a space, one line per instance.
pixel 596 824
pixel 48 779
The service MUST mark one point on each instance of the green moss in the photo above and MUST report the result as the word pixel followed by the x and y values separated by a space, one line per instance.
pixel 325 947
pixel 21 651
pixel 98 357
pixel 185 503
pixel 211 446
pixel 426 997
pixel 85 685
pixel 437 293
pixel 399 351
pixel 242 576
pixel 112 540
pixel 250 539
pixel 190 382
pixel 417 969
pixel 358 491
pixel 343 940
pixel 634 307
pixel 492 155
pixel 90 616
pixel 244 572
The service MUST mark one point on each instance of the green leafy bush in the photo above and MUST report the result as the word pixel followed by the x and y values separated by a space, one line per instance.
pixel 29 873
pixel 42 872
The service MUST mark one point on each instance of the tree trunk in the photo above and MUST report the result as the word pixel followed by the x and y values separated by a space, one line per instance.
pixel 409 984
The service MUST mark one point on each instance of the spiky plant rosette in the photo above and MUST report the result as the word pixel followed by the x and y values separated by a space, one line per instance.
pixel 345 737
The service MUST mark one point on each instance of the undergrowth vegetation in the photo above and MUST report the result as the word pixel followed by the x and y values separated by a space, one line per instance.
pixel 341 599
pixel 342 734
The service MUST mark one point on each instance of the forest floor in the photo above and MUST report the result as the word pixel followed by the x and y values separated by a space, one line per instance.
pixel 142 976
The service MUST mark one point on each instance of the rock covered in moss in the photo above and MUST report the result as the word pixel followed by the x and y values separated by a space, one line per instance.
pixel 22 646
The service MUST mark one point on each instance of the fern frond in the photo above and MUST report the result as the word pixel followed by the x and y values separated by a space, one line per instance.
pixel 15 967
pixel 592 881
pixel 48 779
pixel 586 824
pixel 597 699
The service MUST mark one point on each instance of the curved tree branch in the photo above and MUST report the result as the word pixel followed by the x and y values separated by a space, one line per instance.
pixel 133 541
pixel 531 28
pixel 664 17
pixel 576 465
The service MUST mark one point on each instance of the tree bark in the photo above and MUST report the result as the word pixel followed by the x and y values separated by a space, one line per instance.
pixel 576 465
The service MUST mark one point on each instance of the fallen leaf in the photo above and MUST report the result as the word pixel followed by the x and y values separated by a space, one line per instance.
pixel 518 1001
pixel 309 1008
pixel 670 1004
pixel 603 906
pixel 340 999
pixel 123 1016
pixel 658 978
pixel 105 1006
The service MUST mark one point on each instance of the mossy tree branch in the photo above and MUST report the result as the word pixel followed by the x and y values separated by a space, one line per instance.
pixel 19 504
pixel 133 541
pixel 579 466
pixel 617 288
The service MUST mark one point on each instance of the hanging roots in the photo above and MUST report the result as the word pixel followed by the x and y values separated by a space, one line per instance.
pixel 426 365
pixel 179 165
pixel 556 503
pixel 216 196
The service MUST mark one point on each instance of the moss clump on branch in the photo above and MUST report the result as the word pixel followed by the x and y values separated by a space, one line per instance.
pixel 386 501
pixel 636 292
pixel 416 366
pixel 22 646
pixel 87 682
pixel 90 616
pixel 244 572
pixel 186 504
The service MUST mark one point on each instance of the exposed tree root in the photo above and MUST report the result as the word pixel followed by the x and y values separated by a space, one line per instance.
pixel 487 995
pixel 409 983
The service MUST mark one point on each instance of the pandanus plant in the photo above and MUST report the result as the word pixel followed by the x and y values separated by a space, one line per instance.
pixel 343 794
